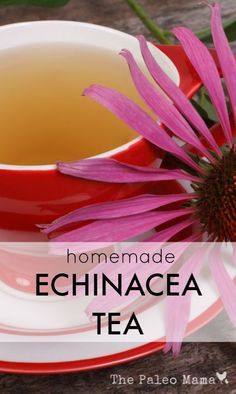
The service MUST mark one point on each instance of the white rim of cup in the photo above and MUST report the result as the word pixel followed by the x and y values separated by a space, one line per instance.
pixel 38 32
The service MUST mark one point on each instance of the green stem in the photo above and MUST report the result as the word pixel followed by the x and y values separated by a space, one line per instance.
pixel 159 33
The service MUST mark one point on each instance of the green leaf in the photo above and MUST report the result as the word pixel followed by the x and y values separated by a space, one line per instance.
pixel 229 28
pixel 202 111
pixel 41 3
pixel 203 105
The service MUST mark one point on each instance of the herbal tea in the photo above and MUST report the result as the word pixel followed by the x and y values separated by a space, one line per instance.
pixel 43 116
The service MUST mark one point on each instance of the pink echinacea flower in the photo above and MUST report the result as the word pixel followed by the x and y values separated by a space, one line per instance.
pixel 211 172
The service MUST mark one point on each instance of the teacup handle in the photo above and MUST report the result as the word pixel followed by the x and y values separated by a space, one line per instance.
pixel 189 79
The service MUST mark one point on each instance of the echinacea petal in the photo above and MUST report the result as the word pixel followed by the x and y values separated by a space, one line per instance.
pixel 178 307
pixel 167 234
pixel 106 304
pixel 176 95
pixel 162 107
pixel 116 209
pixel 138 120
pixel 225 54
pixel 234 252
pixel 176 248
pixel 225 284
pixel 111 170
pixel 121 229
pixel 205 66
